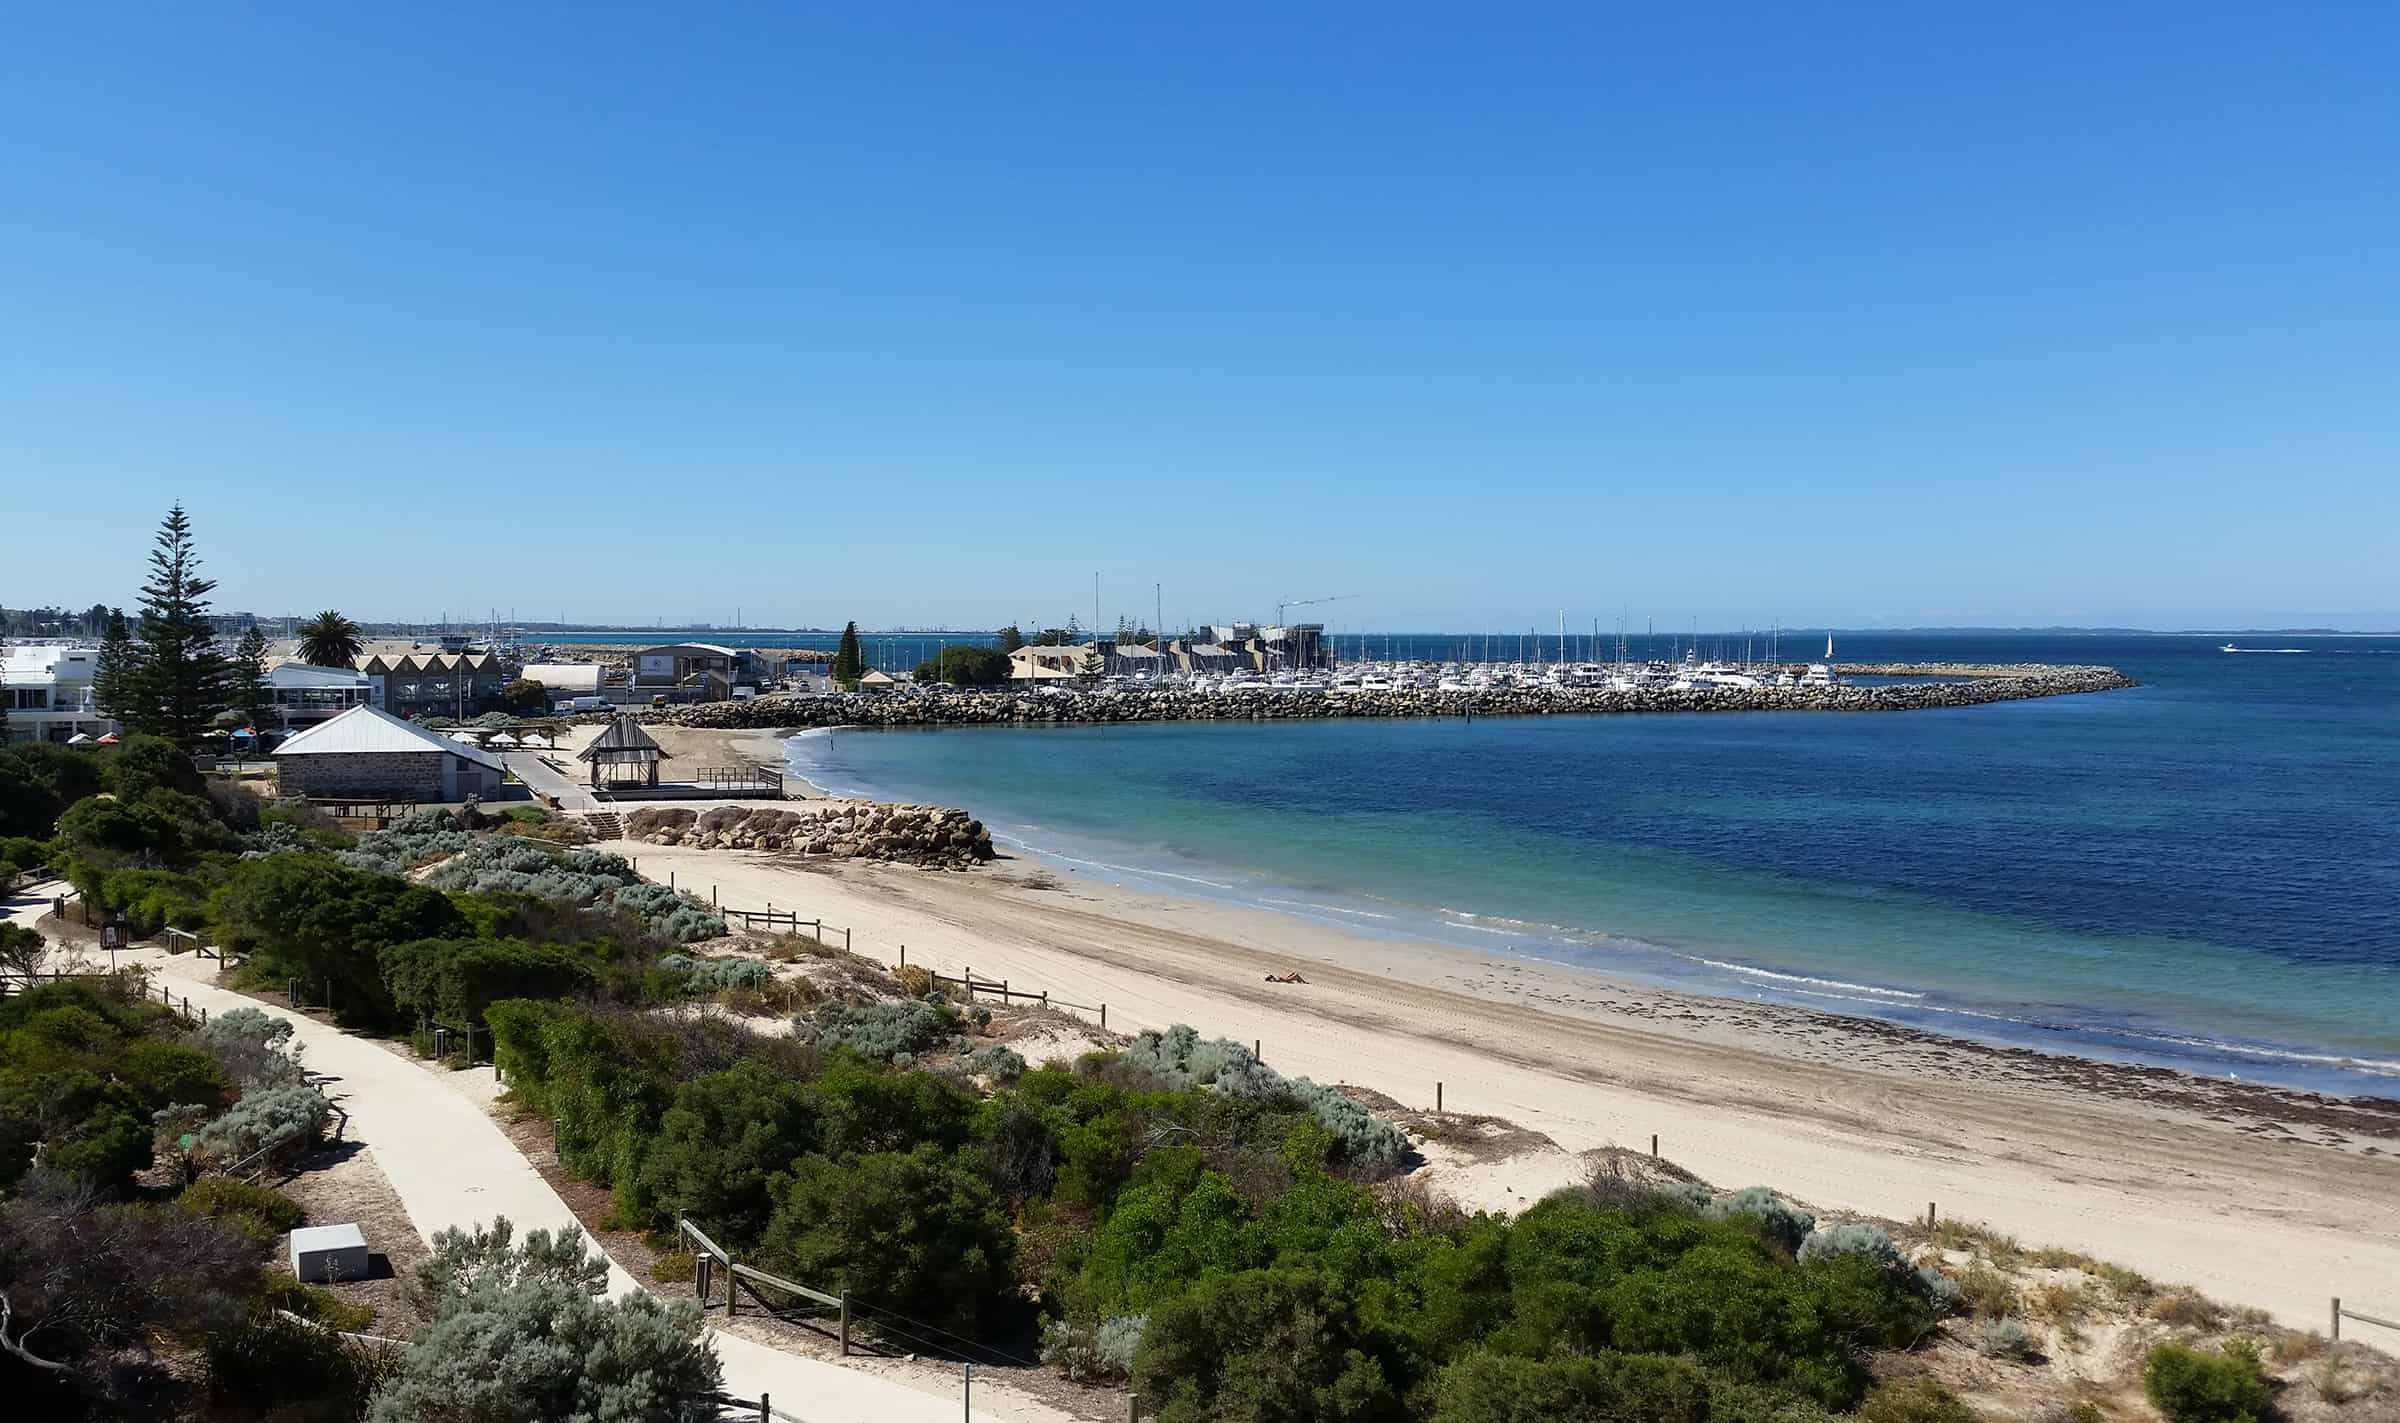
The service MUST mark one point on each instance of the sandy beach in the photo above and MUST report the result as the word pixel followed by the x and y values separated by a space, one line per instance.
pixel 2254 1195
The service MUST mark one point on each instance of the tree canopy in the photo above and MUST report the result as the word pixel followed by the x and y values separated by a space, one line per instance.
pixel 849 659
pixel 964 666
pixel 249 693
pixel 178 682
pixel 329 640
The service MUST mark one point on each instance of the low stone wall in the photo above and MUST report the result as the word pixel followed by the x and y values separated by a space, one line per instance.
pixel 1981 684
pixel 936 837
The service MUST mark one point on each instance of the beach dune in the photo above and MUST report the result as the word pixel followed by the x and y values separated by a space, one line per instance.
pixel 2255 1196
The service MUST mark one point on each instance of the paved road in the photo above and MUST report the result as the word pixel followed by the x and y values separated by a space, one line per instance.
pixel 451 1165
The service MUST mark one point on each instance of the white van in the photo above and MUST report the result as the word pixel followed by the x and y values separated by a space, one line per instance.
pixel 743 694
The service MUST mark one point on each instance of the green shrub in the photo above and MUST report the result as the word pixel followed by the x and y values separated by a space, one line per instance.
pixel 1774 1217
pixel 281 1122
pixel 919 1233
pixel 707 975
pixel 258 1209
pixel 293 1371
pixel 2189 1386
pixel 721 1146
pixel 452 981
pixel 1097 1353
pixel 887 1032
pixel 1180 1057
pixel 1263 1346
pixel 1919 1400
pixel 303 916
pixel 1002 1064
pixel 1570 1388
pixel 1853 1238
pixel 2004 1338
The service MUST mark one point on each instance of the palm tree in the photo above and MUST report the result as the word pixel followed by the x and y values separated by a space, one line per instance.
pixel 329 640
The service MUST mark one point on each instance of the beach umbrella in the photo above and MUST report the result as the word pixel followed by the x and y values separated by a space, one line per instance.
pixel 108 740
pixel 80 738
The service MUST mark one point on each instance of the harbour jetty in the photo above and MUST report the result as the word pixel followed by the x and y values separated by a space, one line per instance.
pixel 1968 685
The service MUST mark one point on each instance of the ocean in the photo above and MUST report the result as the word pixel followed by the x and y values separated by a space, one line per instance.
pixel 2202 872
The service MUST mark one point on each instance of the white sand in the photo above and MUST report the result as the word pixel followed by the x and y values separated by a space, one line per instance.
pixel 2156 1175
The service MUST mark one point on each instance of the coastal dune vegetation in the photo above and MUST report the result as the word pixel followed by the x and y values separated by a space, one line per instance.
pixel 1177 1217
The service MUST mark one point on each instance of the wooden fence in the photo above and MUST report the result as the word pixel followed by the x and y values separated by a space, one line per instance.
pixel 771 920
pixel 184 941
pixel 2342 1312
pixel 709 1258
pixel 998 988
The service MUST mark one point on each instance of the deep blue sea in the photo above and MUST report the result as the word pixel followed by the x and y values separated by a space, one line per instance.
pixel 2203 872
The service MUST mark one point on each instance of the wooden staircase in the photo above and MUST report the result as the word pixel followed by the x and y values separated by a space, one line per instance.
pixel 604 825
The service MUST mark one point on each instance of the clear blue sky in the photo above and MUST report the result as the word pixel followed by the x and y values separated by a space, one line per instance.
pixel 922 314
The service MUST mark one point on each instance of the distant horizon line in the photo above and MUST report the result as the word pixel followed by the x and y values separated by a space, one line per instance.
pixel 1931 629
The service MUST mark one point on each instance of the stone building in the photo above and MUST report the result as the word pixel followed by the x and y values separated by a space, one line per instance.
pixel 366 754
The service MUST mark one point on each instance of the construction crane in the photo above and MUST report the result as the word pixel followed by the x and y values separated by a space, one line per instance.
pixel 1307 603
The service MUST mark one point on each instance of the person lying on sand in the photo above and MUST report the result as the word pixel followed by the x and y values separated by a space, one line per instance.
pixel 1285 978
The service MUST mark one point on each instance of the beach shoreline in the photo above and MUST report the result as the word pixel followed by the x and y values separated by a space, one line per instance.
pixel 2147 1166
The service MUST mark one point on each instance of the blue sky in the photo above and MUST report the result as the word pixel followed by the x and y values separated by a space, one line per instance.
pixel 924 314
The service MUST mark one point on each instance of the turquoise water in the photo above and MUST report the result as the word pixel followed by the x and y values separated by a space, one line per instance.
pixel 2202 872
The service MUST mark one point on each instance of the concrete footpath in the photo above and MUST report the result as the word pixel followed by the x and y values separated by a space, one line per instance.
pixel 451 1165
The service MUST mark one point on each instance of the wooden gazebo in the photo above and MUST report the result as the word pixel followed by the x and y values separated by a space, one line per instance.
pixel 623 754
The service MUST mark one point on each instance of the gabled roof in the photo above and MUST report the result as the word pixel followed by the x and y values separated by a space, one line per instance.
pixel 362 730
pixel 623 735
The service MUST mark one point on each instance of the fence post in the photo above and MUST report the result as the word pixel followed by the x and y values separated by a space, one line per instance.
pixel 1133 1408
pixel 1045 999
pixel 1104 1016
pixel 845 941
pixel 1257 1053
pixel 966 980
pixel 904 955
pixel 1929 1217
pixel 1437 1099
pixel 712 896
pixel 1654 1146
pixel 764 1413
pixel 2337 1319
pixel 845 1326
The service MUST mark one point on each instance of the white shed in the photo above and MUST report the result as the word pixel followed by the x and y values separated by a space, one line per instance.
pixel 323 1254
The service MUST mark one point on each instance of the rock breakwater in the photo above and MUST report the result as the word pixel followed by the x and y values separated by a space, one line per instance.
pixel 1053 705
pixel 932 836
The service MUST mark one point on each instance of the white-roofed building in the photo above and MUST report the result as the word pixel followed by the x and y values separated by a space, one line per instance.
pixel 46 692
pixel 565 679
pixel 369 754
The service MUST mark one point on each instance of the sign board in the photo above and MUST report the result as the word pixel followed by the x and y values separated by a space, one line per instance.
pixel 111 937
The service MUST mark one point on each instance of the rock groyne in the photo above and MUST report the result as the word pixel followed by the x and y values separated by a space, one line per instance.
pixel 931 836
pixel 1054 705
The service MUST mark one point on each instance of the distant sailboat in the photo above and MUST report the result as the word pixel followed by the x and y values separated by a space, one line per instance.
pixel 1829 647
